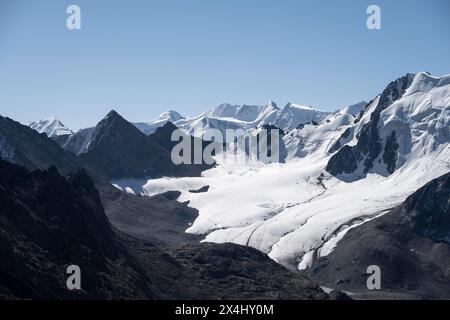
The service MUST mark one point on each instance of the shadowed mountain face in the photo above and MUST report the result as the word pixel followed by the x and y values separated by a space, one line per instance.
pixel 23 145
pixel 48 222
pixel 76 143
pixel 410 244
pixel 120 150
pixel 427 211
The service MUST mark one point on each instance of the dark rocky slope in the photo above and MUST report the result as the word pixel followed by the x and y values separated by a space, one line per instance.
pixel 411 245
pixel 48 222
pixel 237 269
pixel 159 219
pixel 25 146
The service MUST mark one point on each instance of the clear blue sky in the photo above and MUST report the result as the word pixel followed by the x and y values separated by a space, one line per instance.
pixel 145 57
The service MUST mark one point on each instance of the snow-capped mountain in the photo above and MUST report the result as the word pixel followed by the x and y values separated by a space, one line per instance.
pixel 293 115
pixel 150 127
pixel 408 121
pixel 316 137
pixel 245 117
pixel 246 113
pixel 227 116
pixel 341 172
pixel 51 126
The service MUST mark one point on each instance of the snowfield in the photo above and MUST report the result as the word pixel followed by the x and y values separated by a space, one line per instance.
pixel 295 211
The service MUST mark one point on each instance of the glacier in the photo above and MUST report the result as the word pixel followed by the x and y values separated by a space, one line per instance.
pixel 297 211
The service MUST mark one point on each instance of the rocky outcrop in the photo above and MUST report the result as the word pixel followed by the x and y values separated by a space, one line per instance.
pixel 390 152
pixel 369 144
pixel 344 162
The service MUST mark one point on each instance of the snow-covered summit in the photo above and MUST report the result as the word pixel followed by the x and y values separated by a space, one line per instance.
pixel 150 127
pixel 170 115
pixel 293 115
pixel 245 113
pixel 51 126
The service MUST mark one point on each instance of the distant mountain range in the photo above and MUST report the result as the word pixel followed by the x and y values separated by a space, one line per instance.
pixel 222 117
pixel 248 118
pixel 227 116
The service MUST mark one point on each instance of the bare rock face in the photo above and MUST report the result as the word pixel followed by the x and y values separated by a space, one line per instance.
pixel 343 162
pixel 369 145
